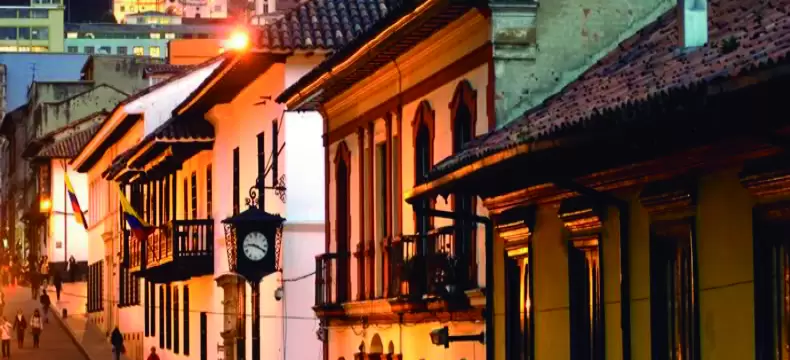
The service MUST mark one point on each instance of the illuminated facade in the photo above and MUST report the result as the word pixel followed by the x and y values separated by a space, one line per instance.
pixel 34 28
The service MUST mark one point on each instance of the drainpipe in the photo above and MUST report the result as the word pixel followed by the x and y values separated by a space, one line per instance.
pixel 623 209
pixel 489 289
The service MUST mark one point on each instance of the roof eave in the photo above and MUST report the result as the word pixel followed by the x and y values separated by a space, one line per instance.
pixel 313 81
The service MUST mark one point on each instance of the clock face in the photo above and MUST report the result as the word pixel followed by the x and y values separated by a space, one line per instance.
pixel 256 246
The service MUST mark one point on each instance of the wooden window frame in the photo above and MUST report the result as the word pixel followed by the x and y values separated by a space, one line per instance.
pixel 583 221
pixel 194 197
pixel 166 308
pixel 175 311
pixel 343 158
pixel 187 330
pixel 671 206
pixel 424 117
pixel 162 331
pixel 465 234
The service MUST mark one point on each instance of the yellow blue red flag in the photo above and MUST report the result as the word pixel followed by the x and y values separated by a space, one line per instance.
pixel 79 215
pixel 139 227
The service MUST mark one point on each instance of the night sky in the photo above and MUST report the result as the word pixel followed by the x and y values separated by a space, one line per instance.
pixel 79 10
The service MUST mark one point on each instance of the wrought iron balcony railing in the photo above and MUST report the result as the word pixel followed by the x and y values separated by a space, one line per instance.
pixel 186 244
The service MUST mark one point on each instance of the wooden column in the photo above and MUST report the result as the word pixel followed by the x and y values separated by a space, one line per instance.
pixel 361 267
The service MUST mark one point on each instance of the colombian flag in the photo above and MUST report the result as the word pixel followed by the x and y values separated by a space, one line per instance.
pixel 75 205
pixel 139 227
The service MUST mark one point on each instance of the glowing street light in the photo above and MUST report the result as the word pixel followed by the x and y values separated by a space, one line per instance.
pixel 239 40
pixel 45 205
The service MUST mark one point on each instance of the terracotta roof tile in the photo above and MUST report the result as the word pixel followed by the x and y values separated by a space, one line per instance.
pixel 156 69
pixel 69 146
pixel 324 24
pixel 743 34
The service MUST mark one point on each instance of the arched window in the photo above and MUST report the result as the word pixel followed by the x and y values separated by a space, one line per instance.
pixel 423 127
pixel 343 219
pixel 463 109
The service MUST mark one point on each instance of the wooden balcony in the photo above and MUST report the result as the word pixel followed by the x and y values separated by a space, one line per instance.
pixel 179 250
pixel 135 257
pixel 332 285
pixel 416 270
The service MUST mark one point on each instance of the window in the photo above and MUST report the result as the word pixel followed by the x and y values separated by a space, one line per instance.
pixel 674 301
pixel 123 50
pixel 217 8
pixel 156 36
pixel 463 120
pixel 423 159
pixel 771 283
pixel 95 286
pixel 146 308
pixel 586 302
pixel 170 36
pixel 520 314
pixel 381 210
pixel 7 33
pixel 194 196
pixel 154 51
pixel 169 314
pixel 90 50
pixel 73 49
pixel 203 335
pixel 236 195
pixel 186 320
pixel 105 50
pixel 7 13
pixel 39 14
pixel 24 13
pixel 343 214
pixel 39 33
pixel 209 204
pixel 186 198
pixel 39 49
pixel 162 332
pixel 123 8
pixel 72 35
pixel 152 308
pixel 176 324
pixel 138 51
pixel 24 33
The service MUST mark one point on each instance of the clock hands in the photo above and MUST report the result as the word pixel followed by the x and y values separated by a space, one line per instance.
pixel 258 247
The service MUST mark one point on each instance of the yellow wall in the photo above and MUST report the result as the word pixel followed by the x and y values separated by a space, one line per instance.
pixel 725 270
pixel 54 23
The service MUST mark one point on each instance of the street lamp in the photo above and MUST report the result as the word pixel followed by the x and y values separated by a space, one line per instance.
pixel 45 205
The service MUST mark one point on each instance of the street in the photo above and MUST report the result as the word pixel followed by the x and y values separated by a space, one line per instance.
pixel 55 341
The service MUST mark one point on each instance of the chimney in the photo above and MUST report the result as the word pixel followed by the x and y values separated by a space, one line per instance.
pixel 693 21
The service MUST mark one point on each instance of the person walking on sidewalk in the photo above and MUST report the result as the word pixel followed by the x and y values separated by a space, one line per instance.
pixel 35 327
pixel 5 337
pixel 20 325
pixel 153 355
pixel 45 303
pixel 72 270
pixel 58 282
pixel 116 339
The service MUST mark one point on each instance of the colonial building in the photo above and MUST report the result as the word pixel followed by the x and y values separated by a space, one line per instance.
pixel 114 295
pixel 641 212
pixel 62 235
pixel 430 79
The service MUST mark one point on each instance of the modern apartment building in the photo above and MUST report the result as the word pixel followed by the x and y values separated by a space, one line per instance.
pixel 34 28
pixel 136 39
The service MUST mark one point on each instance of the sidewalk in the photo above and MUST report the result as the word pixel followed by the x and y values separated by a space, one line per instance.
pixel 87 335
pixel 56 343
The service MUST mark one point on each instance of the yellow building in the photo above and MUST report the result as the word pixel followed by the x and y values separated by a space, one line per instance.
pixel 619 194
pixel 122 8
pixel 36 28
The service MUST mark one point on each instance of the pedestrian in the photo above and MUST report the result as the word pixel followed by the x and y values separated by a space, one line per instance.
pixel 72 268
pixel 153 355
pixel 45 303
pixel 5 336
pixel 20 325
pixel 58 281
pixel 35 327
pixel 116 339
pixel 44 272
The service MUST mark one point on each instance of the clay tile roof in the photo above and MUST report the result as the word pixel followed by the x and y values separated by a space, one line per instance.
pixel 157 69
pixel 68 147
pixel 324 24
pixel 743 35
pixel 182 130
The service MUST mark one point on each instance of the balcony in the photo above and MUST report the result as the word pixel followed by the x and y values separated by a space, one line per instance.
pixel 415 269
pixel 178 250
pixel 135 255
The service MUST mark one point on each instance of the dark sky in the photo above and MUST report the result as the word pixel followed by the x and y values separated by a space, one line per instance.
pixel 79 10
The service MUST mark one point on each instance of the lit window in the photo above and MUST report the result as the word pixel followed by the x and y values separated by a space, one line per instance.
pixel 138 51
pixel 40 49
pixel 153 51
pixel 39 33
pixel 24 49
pixel 170 36
pixel 72 35
pixel 156 36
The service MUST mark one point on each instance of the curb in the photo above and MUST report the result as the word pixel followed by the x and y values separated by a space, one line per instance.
pixel 71 333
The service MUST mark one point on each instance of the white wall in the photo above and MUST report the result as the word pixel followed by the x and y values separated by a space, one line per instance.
pixel 74 234
pixel 158 105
